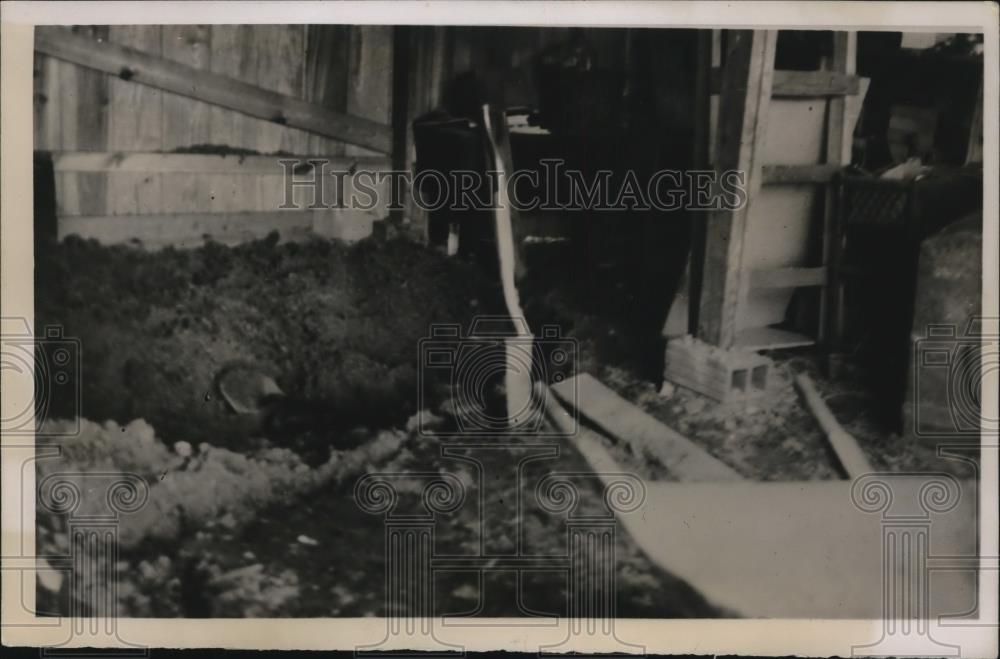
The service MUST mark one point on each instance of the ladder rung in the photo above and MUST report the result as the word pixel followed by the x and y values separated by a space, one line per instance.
pixel 803 83
pixel 787 277
pixel 798 173
pixel 770 338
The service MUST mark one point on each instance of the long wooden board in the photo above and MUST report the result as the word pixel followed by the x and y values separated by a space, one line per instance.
pixel 137 66
pixel 774 174
pixel 805 84
pixel 806 550
pixel 154 231
pixel 743 108
pixel 814 554
pixel 200 163
pixel 642 433
pixel 853 460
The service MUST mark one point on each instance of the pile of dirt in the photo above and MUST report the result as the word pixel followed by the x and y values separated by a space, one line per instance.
pixel 330 322
pixel 258 532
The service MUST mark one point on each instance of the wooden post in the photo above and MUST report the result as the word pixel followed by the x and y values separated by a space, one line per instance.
pixel 401 35
pixel 702 159
pixel 838 154
pixel 428 69
pixel 745 95
pixel 974 152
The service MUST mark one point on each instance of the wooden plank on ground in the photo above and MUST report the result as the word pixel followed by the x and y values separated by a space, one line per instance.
pixel 807 549
pixel 141 67
pixel 641 432
pixel 746 93
pixel 852 458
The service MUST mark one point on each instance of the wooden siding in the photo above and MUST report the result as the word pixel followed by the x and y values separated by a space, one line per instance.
pixel 79 109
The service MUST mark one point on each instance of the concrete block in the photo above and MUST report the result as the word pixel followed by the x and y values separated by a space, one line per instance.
pixel 725 375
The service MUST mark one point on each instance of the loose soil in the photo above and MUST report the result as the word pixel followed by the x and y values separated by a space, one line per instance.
pixel 335 325
pixel 340 328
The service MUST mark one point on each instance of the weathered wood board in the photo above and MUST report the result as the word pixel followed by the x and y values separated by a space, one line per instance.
pixel 816 553
pixel 81 111
pixel 799 549
pixel 642 433
pixel 153 231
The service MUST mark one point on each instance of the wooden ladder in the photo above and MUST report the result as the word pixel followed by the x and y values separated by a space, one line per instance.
pixel 745 87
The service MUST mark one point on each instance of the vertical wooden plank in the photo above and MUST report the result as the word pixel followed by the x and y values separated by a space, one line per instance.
pixel 83 126
pixel 280 69
pixel 746 92
pixel 838 152
pixel 91 124
pixel 43 104
pixel 369 79
pixel 67 183
pixel 431 61
pixel 186 122
pixel 974 151
pixel 461 51
pixel 48 114
pixel 135 124
pixel 844 60
pixel 327 49
pixel 713 108
pixel 401 128
pixel 705 56
pixel 267 41
pixel 233 54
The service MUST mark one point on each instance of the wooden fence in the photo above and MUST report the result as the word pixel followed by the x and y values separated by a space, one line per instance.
pixel 168 134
